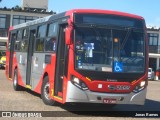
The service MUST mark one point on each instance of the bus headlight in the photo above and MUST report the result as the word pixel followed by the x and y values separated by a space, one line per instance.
pixel 140 86
pixel 79 83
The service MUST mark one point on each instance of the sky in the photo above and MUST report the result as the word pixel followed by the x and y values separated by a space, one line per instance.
pixel 149 9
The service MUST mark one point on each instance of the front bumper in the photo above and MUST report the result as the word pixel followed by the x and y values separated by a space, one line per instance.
pixel 75 94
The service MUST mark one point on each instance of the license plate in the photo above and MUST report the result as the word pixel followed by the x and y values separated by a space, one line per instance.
pixel 109 101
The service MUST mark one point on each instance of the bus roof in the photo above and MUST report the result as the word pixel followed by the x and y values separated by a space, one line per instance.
pixel 110 12
pixel 40 20
pixel 70 13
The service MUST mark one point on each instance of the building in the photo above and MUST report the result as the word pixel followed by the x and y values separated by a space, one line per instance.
pixel 3 43
pixel 40 5
pixel 30 10
pixel 154 47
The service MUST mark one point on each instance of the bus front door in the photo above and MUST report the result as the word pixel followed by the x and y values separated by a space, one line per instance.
pixel 61 57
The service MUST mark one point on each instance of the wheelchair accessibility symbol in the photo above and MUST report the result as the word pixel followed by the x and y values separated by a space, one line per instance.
pixel 118 67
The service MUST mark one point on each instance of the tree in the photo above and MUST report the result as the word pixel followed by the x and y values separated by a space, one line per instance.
pixel 17 7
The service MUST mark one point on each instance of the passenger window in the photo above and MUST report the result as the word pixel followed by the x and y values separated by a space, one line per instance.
pixel 24 42
pixel 52 30
pixel 18 40
pixel 40 44
pixel 41 34
pixel 25 33
pixel 24 45
pixel 19 35
pixel 50 42
pixel 41 31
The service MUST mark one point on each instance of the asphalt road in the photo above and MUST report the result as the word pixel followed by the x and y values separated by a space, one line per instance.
pixel 26 100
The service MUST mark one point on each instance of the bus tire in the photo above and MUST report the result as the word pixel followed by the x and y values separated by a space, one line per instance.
pixel 45 92
pixel 15 81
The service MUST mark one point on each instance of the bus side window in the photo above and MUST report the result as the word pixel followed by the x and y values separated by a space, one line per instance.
pixel 39 44
pixel 24 42
pixel 18 40
pixel 11 42
pixel 41 34
pixel 25 33
pixel 50 42
pixel 24 45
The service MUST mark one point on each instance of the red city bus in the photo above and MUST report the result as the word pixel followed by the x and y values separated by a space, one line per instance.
pixel 82 56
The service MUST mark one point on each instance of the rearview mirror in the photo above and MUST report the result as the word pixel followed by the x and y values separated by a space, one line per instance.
pixel 68 35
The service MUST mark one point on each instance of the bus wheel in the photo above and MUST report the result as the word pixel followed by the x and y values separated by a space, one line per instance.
pixel 15 81
pixel 45 92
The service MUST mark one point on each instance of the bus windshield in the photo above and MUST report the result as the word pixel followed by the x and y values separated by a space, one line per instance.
pixel 109 49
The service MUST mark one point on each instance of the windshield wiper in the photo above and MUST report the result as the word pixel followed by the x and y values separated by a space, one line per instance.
pixel 126 38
